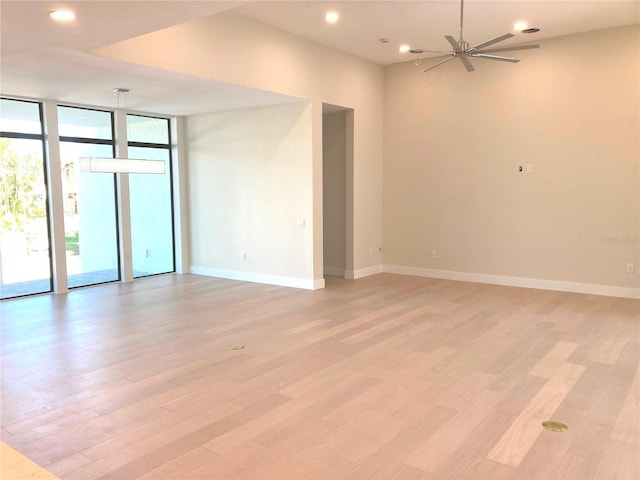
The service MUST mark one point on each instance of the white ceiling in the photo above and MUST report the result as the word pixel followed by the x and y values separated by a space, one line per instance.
pixel 423 24
pixel 43 59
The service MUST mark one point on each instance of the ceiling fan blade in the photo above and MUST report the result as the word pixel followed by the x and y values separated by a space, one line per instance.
pixel 450 57
pixel 467 64
pixel 494 57
pixel 508 49
pixel 454 43
pixel 421 51
pixel 480 46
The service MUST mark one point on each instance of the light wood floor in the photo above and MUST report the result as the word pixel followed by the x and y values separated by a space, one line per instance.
pixel 386 377
pixel 14 466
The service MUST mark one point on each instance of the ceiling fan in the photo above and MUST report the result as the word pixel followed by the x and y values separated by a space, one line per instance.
pixel 463 50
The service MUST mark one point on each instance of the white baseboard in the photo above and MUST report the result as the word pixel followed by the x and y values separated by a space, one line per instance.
pixel 363 272
pixel 315 284
pixel 561 286
pixel 334 271
pixel 306 284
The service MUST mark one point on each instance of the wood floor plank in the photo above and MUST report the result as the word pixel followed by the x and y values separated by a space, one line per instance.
pixel 68 464
pixel 374 430
pixel 519 438
pixel 388 458
pixel 312 463
pixel 469 460
pixel 385 390
pixel 15 466
pixel 55 447
pixel 619 460
pixel 192 461
pixel 245 432
pixel 584 392
pixel 444 443
pixel 237 463
pixel 341 394
pixel 550 363
pixel 143 457
pixel 182 421
pixel 73 419
pixel 384 326
pixel 387 377
pixel 627 427
pixel 520 393
pixel 305 434
pixel 626 368
pixel 464 393
pixel 546 456
pixel 591 435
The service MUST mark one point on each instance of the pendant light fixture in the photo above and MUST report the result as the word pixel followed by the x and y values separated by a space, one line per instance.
pixel 121 165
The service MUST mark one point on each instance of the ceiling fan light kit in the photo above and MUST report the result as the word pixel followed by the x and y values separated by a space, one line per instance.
pixel 464 51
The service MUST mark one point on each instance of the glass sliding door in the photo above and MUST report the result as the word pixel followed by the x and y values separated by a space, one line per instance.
pixel 152 236
pixel 24 229
pixel 90 213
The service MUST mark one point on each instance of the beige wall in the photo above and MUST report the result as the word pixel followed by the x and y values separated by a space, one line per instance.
pixel 249 183
pixel 454 141
pixel 230 48
pixel 452 146
pixel 334 175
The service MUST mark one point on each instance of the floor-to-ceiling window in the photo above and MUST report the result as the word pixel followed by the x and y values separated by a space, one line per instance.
pixel 81 209
pixel 24 229
pixel 90 213
pixel 152 236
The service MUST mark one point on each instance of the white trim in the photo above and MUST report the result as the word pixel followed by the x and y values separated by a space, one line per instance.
pixel 123 200
pixel 557 285
pixel 56 204
pixel 180 199
pixel 306 284
pixel 334 271
pixel 363 272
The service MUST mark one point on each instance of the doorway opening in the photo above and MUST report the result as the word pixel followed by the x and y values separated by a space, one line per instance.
pixel 337 190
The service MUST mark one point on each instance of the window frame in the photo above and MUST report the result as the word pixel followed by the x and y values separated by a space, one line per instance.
pixel 99 141
pixel 45 172
pixel 163 146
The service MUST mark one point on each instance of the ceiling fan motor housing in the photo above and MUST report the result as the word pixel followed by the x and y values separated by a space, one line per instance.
pixel 464 51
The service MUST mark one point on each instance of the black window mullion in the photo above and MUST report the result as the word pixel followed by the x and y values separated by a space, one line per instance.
pixel 165 146
pixel 29 136
pixel 94 141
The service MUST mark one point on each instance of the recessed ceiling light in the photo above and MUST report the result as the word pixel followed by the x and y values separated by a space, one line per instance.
pixel 404 48
pixel 519 26
pixel 530 30
pixel 62 15
pixel 331 17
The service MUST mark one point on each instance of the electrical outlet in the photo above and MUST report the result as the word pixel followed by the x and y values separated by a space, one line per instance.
pixel 370 251
pixel 434 254
pixel 629 267
pixel 529 168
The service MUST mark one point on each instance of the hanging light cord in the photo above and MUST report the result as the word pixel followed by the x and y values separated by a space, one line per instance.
pixel 461 16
